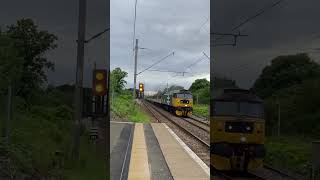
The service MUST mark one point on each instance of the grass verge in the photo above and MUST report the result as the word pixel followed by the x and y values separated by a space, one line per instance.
pixel 92 164
pixel 201 110
pixel 124 107
pixel 291 153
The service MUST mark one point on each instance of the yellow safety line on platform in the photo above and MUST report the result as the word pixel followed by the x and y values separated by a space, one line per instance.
pixel 139 166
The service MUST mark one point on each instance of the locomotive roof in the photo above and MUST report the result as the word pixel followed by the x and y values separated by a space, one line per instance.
pixel 178 91
pixel 238 95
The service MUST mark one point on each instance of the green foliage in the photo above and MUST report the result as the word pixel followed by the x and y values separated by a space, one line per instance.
pixel 117 80
pixel 36 135
pixel 201 110
pixel 63 94
pixel 31 44
pixel 199 84
pixel 284 72
pixel 291 153
pixel 92 164
pixel 10 61
pixel 200 89
pixel 293 83
pixel 37 132
pixel 124 108
pixel 300 109
pixel 291 86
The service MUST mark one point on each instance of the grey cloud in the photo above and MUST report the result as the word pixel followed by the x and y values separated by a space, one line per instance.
pixel 288 28
pixel 61 18
pixel 162 27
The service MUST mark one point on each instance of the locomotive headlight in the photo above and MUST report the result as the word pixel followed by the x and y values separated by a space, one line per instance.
pixel 243 139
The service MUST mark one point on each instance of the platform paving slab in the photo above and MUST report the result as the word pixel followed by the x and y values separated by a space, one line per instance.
pixel 159 169
pixel 120 146
pixel 182 166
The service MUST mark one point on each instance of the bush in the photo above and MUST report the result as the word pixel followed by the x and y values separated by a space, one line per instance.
pixel 124 107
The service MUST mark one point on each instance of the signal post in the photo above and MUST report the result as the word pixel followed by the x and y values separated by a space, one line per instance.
pixel 95 100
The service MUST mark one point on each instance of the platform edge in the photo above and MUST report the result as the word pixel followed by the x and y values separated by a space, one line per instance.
pixel 205 168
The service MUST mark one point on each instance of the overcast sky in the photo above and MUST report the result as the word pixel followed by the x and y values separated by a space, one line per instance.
pixel 164 26
pixel 60 17
pixel 289 28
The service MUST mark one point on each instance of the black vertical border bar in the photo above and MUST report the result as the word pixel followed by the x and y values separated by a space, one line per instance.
pixel 211 69
pixel 107 153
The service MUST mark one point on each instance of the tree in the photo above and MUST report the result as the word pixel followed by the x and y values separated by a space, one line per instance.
pixel 31 44
pixel 199 84
pixel 10 61
pixel 117 80
pixel 284 72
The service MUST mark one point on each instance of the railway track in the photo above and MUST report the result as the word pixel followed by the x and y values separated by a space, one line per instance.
pixel 152 112
pixel 266 173
pixel 198 123
pixel 274 175
pixel 191 134
pixel 201 118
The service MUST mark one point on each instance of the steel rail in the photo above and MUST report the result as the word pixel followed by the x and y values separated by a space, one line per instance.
pixel 182 128
pixel 189 120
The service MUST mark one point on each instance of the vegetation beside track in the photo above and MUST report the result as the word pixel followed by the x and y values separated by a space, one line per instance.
pixel 122 104
pixel 290 88
pixel 291 153
pixel 92 164
pixel 124 107
pixel 40 130
pixel 201 110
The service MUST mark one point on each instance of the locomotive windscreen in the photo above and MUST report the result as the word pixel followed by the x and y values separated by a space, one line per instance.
pixel 188 96
pixel 238 109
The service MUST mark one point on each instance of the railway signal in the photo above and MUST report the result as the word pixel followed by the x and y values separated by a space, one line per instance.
pixel 95 99
pixel 141 87
pixel 100 82
pixel 141 90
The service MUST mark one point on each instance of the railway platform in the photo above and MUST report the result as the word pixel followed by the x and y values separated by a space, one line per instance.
pixel 152 151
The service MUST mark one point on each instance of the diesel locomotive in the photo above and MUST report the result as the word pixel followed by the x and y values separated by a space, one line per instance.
pixel 178 102
pixel 237 131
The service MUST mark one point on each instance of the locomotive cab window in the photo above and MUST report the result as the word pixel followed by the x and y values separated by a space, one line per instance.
pixel 182 96
pixel 225 108
pixel 238 108
pixel 251 109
